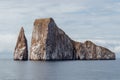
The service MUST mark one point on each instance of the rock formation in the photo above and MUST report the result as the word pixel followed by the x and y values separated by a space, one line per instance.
pixel 51 43
pixel 90 51
pixel 21 49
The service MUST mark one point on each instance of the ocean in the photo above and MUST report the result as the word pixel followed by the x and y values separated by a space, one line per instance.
pixel 60 70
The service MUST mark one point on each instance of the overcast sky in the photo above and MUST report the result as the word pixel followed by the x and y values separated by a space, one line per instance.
pixel 96 20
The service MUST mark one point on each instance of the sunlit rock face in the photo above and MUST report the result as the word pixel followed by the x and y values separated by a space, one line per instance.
pixel 21 49
pixel 51 43
pixel 90 51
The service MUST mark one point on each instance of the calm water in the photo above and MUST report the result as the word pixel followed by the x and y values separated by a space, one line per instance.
pixel 59 70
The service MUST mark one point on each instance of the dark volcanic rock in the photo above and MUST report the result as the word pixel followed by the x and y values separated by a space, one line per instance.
pixel 49 42
pixel 21 49
pixel 79 51
pixel 90 51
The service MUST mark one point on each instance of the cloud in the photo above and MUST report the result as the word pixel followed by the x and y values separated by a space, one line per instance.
pixel 64 9
pixel 7 42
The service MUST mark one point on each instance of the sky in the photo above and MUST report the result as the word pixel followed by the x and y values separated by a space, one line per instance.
pixel 95 20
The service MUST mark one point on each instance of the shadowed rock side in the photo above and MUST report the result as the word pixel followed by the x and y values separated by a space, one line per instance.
pixel 51 43
pixel 21 49
pixel 90 51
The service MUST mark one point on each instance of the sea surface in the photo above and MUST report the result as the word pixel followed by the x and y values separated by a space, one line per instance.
pixel 59 70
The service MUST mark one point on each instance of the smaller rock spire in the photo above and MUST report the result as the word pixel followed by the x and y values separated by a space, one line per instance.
pixel 21 49
pixel 22 29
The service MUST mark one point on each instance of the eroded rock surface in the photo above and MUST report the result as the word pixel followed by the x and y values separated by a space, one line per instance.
pixel 21 49
pixel 90 51
pixel 51 43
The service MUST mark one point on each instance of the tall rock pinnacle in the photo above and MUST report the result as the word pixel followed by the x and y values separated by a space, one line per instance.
pixel 21 49
pixel 51 43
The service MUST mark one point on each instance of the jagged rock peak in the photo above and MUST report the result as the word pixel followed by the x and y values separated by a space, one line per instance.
pixel 21 49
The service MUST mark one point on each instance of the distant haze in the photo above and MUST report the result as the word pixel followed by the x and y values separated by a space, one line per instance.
pixel 96 20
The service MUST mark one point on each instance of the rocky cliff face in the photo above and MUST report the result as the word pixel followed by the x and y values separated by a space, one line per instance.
pixel 21 49
pixel 90 51
pixel 51 43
